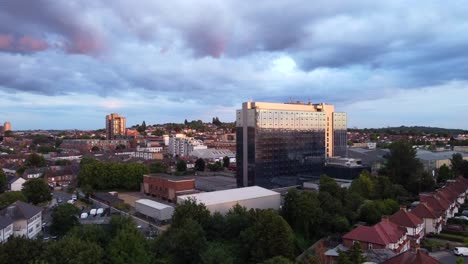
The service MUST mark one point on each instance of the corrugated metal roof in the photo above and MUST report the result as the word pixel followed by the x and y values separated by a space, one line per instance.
pixel 153 204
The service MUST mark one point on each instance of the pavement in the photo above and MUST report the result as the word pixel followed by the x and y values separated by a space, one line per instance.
pixel 446 257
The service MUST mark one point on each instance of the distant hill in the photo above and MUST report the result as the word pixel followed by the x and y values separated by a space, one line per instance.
pixel 412 130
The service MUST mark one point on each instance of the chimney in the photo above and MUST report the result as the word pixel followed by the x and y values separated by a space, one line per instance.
pixel 385 218
pixel 403 207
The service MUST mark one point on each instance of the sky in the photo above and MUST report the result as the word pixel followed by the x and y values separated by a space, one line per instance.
pixel 67 64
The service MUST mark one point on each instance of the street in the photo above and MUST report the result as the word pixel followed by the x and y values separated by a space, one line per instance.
pixel 446 257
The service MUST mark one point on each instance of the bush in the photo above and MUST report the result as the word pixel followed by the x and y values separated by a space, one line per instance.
pixel 456 233
pixel 449 237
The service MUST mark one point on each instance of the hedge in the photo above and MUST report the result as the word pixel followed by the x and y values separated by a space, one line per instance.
pixel 449 237
pixel 456 233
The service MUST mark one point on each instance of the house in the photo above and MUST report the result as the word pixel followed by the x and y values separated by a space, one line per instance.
pixel 418 257
pixel 384 234
pixel 413 224
pixel 33 173
pixel 433 220
pixel 167 187
pixel 60 177
pixel 6 228
pixel 10 169
pixel 27 218
pixel 433 201
pixel 15 183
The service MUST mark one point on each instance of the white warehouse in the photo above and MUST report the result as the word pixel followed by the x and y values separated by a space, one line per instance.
pixel 158 211
pixel 253 197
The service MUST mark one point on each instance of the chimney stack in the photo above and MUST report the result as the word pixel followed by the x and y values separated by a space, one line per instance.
pixel 403 207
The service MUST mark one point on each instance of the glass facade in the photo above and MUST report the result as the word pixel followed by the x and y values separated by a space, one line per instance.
pixel 340 142
pixel 282 146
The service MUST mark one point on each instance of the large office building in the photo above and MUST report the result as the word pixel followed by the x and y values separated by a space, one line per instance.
pixel 278 144
pixel 115 126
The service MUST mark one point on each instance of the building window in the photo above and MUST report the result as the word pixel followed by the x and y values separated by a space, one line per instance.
pixel 369 246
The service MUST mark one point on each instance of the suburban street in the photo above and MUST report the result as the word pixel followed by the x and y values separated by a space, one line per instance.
pixel 446 257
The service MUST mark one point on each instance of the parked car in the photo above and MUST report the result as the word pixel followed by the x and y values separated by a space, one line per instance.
pixel 59 200
pixel 71 201
pixel 460 251
pixel 74 198
pixel 463 217
pixel 84 215
pixel 465 212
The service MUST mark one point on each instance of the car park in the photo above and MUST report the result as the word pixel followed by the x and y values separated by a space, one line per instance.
pixel 59 200
pixel 461 251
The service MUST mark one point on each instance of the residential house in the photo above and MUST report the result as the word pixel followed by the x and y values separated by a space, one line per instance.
pixel 15 183
pixel 438 205
pixel 60 177
pixel 10 169
pixel 33 173
pixel 433 220
pixel 384 234
pixel 418 257
pixel 413 224
pixel 27 218
pixel 6 228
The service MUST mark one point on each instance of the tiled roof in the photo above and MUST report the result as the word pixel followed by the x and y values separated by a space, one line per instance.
pixel 408 257
pixel 382 233
pixel 424 211
pixel 5 221
pixel 433 202
pixel 406 219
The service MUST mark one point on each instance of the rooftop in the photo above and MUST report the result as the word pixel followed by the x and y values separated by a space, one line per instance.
pixel 442 155
pixel 169 177
pixel 246 193
pixel 153 204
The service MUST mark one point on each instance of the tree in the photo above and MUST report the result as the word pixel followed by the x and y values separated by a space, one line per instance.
pixel 95 148
pixel 120 147
pixel 21 250
pixel 129 246
pixel 64 218
pixel 363 185
pixel 181 166
pixel 226 162
pixel 62 162
pixel 356 254
pixel 464 169
pixel 35 160
pixel 10 197
pixel 36 191
pixel 302 211
pixel 459 260
pixel 200 164
pixel 158 132
pixel 90 233
pixel 216 253
pixel 182 244
pixel 456 163
pixel 215 166
pixel 403 167
pixel 142 128
pixel 191 209
pixel 158 167
pixel 216 121
pixel 73 251
pixel 277 260
pixel 268 236
pixel 3 181
pixel 237 220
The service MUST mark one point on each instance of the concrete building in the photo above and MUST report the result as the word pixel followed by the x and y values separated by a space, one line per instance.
pixel 27 218
pixel 214 154
pixel 344 168
pixel 155 210
pixel 434 160
pixel 15 183
pixel 279 143
pixel 6 126
pixel 253 197
pixel 167 187
pixel 182 146
pixel 115 126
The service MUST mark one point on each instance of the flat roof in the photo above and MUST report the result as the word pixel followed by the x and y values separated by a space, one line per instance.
pixel 170 177
pixel 153 204
pixel 231 195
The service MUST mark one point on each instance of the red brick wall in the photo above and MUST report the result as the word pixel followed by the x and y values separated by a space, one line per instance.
pixel 161 187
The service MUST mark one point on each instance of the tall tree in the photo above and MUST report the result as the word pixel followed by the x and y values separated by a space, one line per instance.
pixel 226 162
pixel 36 191
pixel 200 164
pixel 267 237
pixel 456 163
pixel 191 209
pixel 3 181
pixel 129 246
pixel 181 166
pixel 21 250
pixel 158 167
pixel 64 218
pixel 403 167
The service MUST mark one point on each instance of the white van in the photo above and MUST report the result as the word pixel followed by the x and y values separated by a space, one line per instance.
pixel 93 212
pixel 84 215
pixel 100 211
pixel 461 251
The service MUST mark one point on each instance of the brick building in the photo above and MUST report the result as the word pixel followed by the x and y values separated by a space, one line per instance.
pixel 167 187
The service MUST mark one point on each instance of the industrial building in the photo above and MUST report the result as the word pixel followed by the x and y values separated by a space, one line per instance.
pixel 155 210
pixel 167 187
pixel 281 144
pixel 253 197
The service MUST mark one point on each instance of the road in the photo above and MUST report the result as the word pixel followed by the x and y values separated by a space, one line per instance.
pixel 446 257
